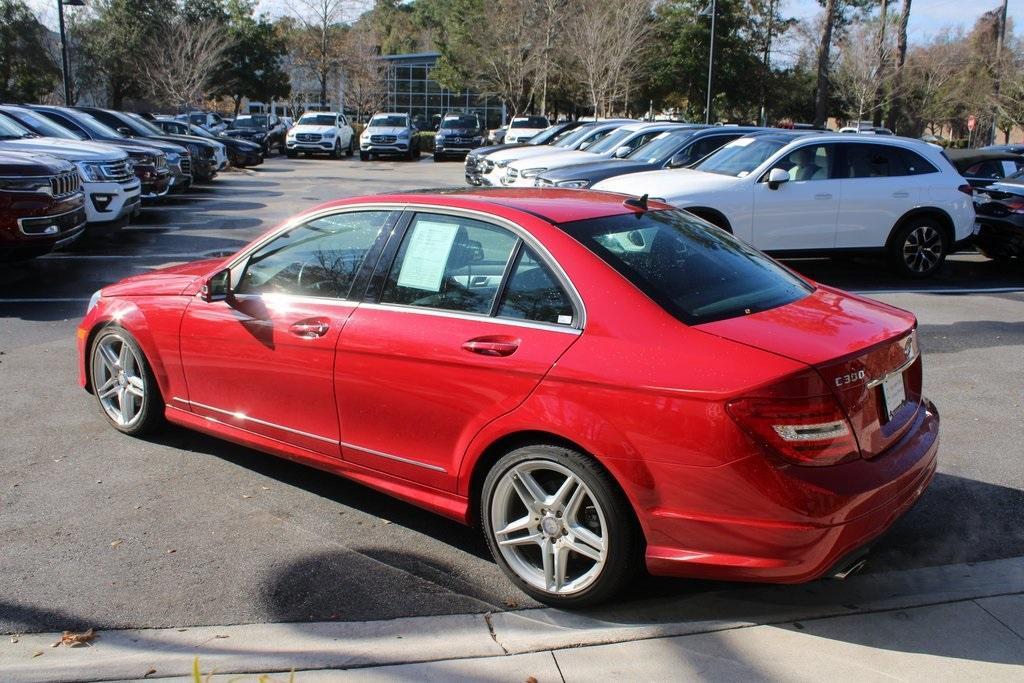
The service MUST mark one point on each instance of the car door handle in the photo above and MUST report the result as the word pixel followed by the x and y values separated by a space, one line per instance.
pixel 823 195
pixel 492 346
pixel 310 329
pixel 901 194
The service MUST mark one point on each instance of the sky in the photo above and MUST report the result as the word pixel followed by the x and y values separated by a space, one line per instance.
pixel 927 17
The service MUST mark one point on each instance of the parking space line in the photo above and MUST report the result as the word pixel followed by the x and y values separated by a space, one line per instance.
pixel 951 290
pixel 51 300
pixel 87 257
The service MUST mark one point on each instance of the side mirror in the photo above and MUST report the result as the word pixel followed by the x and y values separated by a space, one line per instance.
pixel 622 152
pixel 776 177
pixel 678 160
pixel 217 287
pixel 125 131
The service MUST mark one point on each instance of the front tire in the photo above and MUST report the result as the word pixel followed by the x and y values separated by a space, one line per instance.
pixel 364 156
pixel 123 382
pixel 918 248
pixel 335 152
pixel 558 526
pixel 350 150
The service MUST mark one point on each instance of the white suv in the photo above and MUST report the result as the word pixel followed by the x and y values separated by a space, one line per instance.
pixel 522 128
pixel 324 132
pixel 804 193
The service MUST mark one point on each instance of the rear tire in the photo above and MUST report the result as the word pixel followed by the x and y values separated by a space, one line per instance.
pixel 558 526
pixel 350 150
pixel 438 157
pixel 918 248
pixel 123 382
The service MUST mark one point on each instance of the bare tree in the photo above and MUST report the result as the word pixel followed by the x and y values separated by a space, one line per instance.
pixel 860 76
pixel 319 39
pixel 365 73
pixel 191 52
pixel 824 51
pixel 601 45
pixel 883 58
pixel 901 60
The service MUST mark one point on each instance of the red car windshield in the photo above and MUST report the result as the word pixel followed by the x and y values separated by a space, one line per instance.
pixel 695 271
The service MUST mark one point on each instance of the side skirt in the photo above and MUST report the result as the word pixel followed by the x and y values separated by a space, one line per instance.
pixel 440 502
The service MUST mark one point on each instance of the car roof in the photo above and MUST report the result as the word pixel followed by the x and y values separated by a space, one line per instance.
pixel 553 205
pixel 328 113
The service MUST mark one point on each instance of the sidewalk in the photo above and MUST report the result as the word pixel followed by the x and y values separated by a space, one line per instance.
pixel 935 624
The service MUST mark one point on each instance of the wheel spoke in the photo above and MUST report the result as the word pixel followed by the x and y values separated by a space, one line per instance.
pixel 564 492
pixel 108 389
pixel 108 357
pixel 561 562
pixel 529 490
pixel 523 540
pixel 547 551
pixel 572 506
pixel 122 356
pixel 586 542
pixel 520 524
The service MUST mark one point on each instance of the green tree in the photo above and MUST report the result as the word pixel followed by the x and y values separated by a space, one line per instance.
pixel 113 40
pixel 27 72
pixel 678 70
pixel 252 66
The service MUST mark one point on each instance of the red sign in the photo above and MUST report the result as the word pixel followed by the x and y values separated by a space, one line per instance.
pixel 971 122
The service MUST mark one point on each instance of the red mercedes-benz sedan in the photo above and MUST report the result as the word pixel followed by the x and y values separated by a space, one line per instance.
pixel 593 380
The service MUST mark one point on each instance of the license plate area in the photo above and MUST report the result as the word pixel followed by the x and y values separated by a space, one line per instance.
pixel 894 394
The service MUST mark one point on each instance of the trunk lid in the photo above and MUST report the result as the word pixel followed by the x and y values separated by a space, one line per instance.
pixel 855 344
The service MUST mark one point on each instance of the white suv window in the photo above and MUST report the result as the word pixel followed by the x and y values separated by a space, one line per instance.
pixel 883 161
pixel 809 162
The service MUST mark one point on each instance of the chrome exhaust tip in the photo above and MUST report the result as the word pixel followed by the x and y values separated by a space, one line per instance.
pixel 850 569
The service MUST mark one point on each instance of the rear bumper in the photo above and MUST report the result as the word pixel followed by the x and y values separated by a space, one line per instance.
pixel 1001 236
pixel 815 517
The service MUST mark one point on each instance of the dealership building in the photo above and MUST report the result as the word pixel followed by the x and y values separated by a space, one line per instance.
pixel 411 89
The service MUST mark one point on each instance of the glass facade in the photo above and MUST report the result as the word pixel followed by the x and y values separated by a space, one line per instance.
pixel 412 91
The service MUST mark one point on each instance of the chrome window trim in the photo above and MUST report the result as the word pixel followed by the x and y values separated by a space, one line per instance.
pixel 237 264
pixel 474 317
pixel 580 310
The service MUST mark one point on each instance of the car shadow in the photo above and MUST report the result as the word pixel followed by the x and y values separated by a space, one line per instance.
pixel 966 270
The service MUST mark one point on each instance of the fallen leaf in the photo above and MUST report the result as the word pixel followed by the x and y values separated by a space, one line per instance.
pixel 531 679
pixel 116 543
pixel 37 653
pixel 171 550
pixel 149 673
pixel 265 488
pixel 510 603
pixel 246 496
pixel 72 639
pixel 99 481
pixel 386 521
pixel 220 636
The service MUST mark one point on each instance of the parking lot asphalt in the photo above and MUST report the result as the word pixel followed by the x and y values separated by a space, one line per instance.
pixel 100 529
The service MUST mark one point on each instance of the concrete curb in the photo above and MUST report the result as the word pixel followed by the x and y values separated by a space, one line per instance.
pixel 130 654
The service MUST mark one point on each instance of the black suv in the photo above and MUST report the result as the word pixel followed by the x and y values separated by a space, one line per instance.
pixel 458 134
pixel 178 159
pixel 204 161
pixel 266 130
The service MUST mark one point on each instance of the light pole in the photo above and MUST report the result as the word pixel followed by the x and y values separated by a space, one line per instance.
pixel 713 7
pixel 64 46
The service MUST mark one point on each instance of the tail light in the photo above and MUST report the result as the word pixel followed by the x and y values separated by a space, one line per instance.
pixel 967 189
pixel 799 420
pixel 1015 206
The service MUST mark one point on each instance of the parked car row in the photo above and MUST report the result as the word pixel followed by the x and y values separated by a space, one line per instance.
pixel 791 193
pixel 65 170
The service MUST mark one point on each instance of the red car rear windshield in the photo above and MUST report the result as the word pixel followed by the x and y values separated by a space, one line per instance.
pixel 693 270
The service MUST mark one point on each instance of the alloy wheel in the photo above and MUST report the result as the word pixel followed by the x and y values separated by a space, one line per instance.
pixel 922 249
pixel 549 527
pixel 118 380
